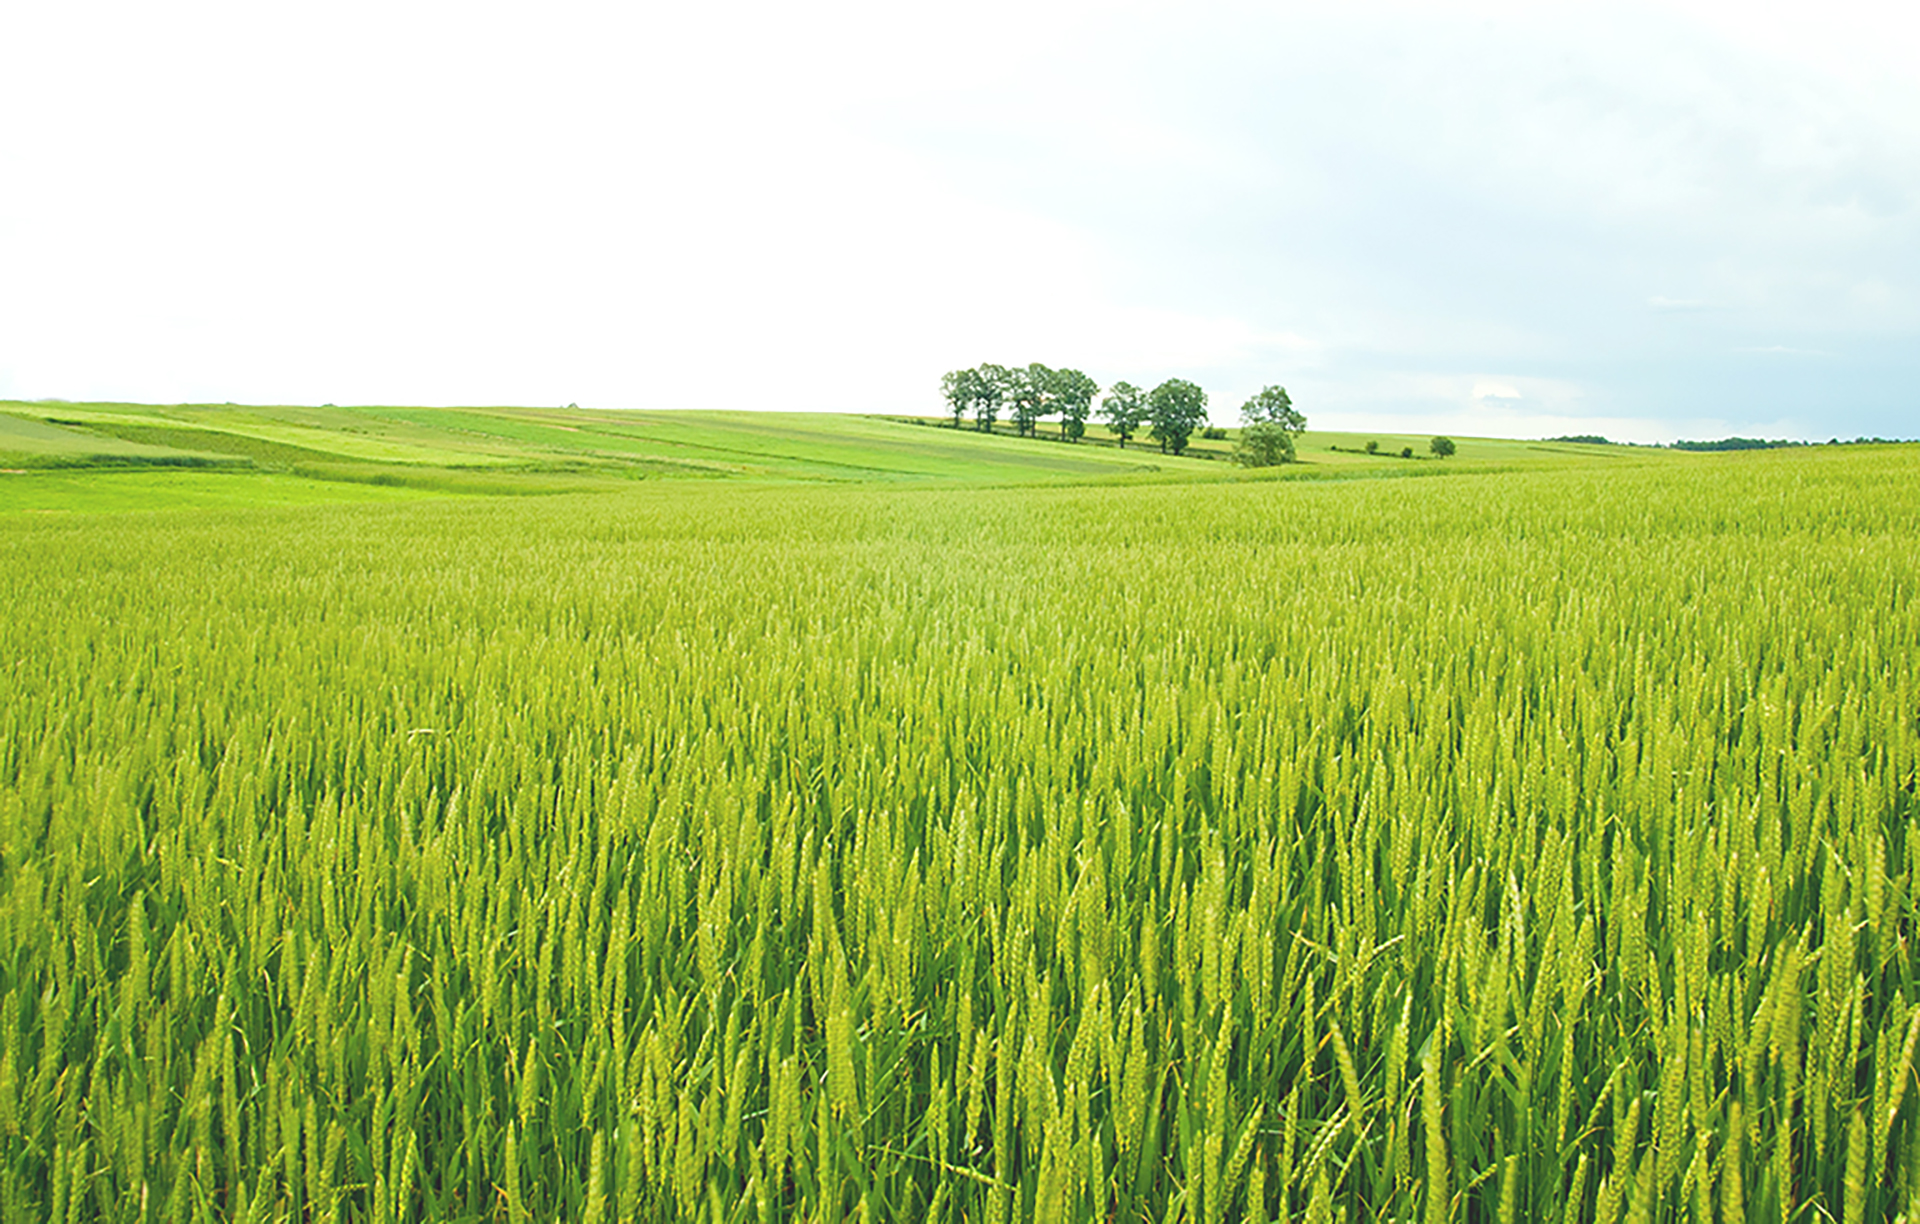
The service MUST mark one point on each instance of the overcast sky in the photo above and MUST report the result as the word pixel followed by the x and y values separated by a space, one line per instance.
pixel 1682 220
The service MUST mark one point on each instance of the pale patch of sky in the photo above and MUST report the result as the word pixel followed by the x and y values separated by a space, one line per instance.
pixel 1646 221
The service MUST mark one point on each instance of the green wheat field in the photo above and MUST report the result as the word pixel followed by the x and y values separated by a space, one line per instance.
pixel 535 815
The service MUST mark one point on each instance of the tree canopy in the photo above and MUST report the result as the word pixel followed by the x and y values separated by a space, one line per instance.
pixel 990 386
pixel 1125 410
pixel 1268 422
pixel 1028 393
pixel 1274 406
pixel 1073 394
pixel 1175 409
pixel 957 388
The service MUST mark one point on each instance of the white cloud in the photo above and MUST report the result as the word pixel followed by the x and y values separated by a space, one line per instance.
pixel 825 207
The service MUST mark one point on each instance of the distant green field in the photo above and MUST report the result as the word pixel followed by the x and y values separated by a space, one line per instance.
pixel 78 456
pixel 467 450
pixel 66 491
pixel 37 442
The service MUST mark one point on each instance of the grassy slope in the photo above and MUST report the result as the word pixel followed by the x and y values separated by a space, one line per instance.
pixel 538 450
pixel 49 442
pixel 78 456
pixel 69 491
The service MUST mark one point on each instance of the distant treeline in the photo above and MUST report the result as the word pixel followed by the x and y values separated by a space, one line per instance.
pixel 1173 411
pixel 1725 444
pixel 1733 444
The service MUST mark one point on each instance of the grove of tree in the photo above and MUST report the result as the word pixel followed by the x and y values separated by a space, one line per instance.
pixel 1032 393
pixel 1171 412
